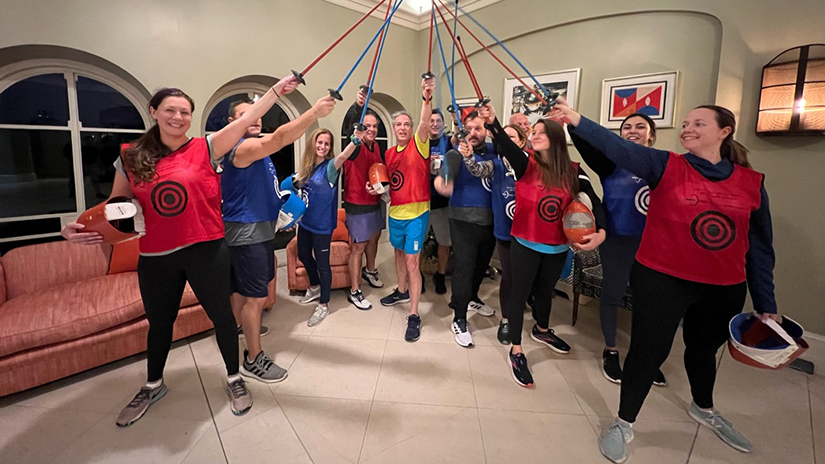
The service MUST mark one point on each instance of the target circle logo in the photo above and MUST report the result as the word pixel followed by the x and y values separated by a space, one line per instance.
pixel 487 183
pixel 510 209
pixel 549 208
pixel 169 198
pixel 642 200
pixel 397 180
pixel 713 230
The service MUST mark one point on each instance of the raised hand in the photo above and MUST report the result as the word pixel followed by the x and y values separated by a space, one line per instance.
pixel 324 106
pixel 465 149
pixel 487 112
pixel 71 232
pixel 427 87
pixel 360 98
pixel 286 85
pixel 563 113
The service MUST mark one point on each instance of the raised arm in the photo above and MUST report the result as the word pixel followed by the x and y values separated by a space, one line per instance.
pixel 252 150
pixel 599 163
pixel 347 152
pixel 226 138
pixel 427 87
pixel 504 146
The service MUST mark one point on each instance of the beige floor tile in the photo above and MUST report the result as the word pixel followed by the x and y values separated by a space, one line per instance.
pixel 185 399
pixel 207 450
pixel 407 433
pixel 288 316
pixel 205 349
pixel 38 435
pixel 818 421
pixel 520 436
pixel 425 373
pixel 328 367
pixel 347 321
pixel 816 355
pixel 495 388
pixel 436 319
pixel 151 439
pixel 266 438
pixel 282 348
pixel 655 441
pixel 331 430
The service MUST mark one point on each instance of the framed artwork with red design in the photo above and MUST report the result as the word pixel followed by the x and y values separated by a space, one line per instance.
pixel 651 94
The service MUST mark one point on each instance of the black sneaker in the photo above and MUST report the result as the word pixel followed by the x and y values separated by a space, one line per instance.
pixel 413 328
pixel 519 369
pixel 611 367
pixel 503 333
pixel 660 380
pixel 440 285
pixel 550 339
pixel 395 298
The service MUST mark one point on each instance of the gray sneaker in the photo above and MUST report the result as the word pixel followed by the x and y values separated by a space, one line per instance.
pixel 614 440
pixel 240 399
pixel 262 368
pixel 318 316
pixel 722 428
pixel 140 404
pixel 311 295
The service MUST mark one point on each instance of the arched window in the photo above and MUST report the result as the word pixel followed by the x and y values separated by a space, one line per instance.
pixel 61 127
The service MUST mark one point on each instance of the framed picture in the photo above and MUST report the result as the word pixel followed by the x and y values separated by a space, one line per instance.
pixel 650 94
pixel 517 99
pixel 467 105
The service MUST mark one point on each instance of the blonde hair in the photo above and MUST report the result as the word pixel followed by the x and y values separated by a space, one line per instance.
pixel 308 160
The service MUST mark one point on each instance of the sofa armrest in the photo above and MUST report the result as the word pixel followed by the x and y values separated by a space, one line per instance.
pixel 2 283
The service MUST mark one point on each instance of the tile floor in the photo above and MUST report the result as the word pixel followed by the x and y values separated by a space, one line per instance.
pixel 358 393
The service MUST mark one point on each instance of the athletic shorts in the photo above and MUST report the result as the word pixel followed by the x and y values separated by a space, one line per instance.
pixel 253 267
pixel 409 234
pixel 440 222
pixel 362 227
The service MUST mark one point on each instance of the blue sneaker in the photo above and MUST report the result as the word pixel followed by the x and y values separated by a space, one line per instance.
pixel 413 328
pixel 395 298
pixel 614 440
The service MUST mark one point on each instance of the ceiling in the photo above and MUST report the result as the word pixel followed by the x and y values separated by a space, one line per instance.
pixel 412 14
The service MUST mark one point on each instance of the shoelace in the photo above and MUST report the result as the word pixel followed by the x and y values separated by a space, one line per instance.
pixel 462 325
pixel 358 296
pixel 142 396
pixel 238 388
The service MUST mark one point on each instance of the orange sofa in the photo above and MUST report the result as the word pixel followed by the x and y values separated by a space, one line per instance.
pixel 297 280
pixel 66 308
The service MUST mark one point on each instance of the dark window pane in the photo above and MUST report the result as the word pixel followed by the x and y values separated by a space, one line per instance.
pixel 105 107
pixel 382 129
pixel 99 151
pixel 36 175
pixel 273 119
pixel 218 116
pixel 284 161
pixel 30 227
pixel 40 100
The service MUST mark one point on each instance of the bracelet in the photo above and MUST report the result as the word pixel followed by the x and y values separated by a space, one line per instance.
pixel 427 99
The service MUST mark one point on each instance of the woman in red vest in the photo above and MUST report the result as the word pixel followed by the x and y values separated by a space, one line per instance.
pixel 175 179
pixel 708 232
pixel 546 182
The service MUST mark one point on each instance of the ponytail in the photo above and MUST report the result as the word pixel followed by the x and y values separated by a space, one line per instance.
pixel 730 149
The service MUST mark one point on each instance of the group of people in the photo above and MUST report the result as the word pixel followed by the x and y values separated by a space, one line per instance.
pixel 690 232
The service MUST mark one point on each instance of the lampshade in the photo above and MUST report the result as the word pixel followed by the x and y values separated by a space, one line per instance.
pixel 792 100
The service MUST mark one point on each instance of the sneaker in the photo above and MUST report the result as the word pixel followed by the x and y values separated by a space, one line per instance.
pixel 264 332
pixel 140 404
pixel 519 369
pixel 395 298
pixel 240 400
pixel 413 331
pixel 311 295
pixel 318 315
pixel 722 428
pixel 660 381
pixel 503 333
pixel 614 440
pixel 550 339
pixel 462 333
pixel 440 284
pixel 262 368
pixel 481 308
pixel 357 298
pixel 371 278
pixel 611 367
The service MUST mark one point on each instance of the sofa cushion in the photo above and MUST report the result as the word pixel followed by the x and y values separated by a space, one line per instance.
pixel 71 311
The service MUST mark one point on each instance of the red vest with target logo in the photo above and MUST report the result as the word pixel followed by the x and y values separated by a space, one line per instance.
pixel 409 175
pixel 182 204
pixel 539 210
pixel 697 229
pixel 356 173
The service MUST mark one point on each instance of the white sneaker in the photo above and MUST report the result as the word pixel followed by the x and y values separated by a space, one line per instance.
pixel 312 294
pixel 481 308
pixel 318 316
pixel 462 333
pixel 358 300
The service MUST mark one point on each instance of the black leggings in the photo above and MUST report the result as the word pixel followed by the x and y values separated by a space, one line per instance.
pixel 660 301
pixel 317 266
pixel 537 273
pixel 162 280
pixel 618 252
pixel 473 247
pixel 503 248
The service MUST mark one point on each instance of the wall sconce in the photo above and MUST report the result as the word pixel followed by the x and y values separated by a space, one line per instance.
pixel 792 101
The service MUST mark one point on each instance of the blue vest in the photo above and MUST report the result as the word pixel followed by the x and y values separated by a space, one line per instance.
pixel 468 190
pixel 625 200
pixel 321 198
pixel 503 199
pixel 250 194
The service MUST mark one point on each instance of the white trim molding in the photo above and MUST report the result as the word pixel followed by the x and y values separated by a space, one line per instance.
pixel 407 16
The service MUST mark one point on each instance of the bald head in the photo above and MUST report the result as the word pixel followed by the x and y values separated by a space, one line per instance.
pixel 520 120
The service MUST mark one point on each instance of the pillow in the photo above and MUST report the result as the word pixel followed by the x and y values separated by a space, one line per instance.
pixel 341 234
pixel 124 257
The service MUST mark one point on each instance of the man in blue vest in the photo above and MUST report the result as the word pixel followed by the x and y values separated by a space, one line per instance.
pixel 439 219
pixel 251 204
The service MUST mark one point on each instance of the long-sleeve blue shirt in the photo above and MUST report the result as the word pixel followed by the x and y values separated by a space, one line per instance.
pixel 650 163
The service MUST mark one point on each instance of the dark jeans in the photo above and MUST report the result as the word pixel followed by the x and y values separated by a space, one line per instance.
pixel 317 266
pixel 473 247
pixel 162 279
pixel 618 252
pixel 660 301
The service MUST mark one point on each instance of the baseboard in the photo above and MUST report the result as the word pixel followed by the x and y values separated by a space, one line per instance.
pixel 817 337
